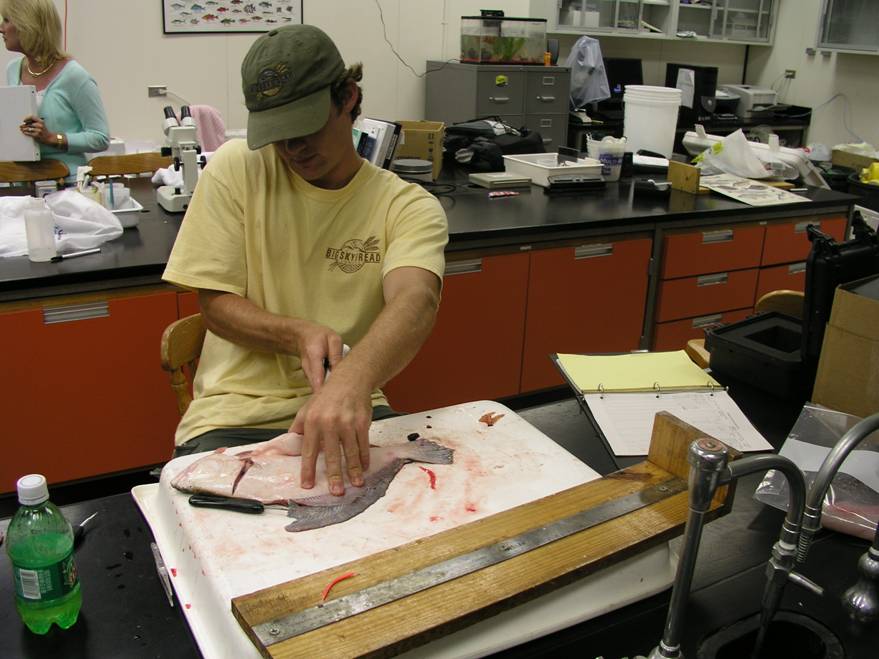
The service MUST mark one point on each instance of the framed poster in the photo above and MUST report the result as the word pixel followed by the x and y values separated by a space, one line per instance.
pixel 187 16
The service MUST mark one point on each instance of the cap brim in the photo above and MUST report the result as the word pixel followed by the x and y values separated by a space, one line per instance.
pixel 295 119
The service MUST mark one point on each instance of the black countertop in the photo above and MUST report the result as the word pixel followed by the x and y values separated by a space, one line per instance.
pixel 138 257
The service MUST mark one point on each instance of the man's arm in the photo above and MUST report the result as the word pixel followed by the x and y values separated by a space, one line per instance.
pixel 240 321
pixel 337 417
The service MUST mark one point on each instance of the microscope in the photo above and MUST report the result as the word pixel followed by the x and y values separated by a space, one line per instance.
pixel 184 148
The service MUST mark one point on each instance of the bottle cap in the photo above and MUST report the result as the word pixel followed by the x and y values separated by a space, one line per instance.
pixel 32 489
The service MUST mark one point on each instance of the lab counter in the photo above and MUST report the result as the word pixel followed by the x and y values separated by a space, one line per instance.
pixel 476 222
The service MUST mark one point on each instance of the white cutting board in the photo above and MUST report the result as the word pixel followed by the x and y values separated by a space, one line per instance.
pixel 214 556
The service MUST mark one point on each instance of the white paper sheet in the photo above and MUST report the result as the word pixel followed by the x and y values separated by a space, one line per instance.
pixel 686 82
pixel 627 419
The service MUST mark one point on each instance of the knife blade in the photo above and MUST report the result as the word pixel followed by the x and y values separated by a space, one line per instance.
pixel 236 504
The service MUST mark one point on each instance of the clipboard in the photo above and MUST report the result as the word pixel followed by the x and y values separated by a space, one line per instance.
pixel 16 103
pixel 621 394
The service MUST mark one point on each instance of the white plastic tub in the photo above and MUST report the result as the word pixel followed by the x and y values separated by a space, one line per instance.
pixel 651 115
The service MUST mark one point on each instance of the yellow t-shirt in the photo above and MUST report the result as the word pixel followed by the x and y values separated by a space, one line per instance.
pixel 256 229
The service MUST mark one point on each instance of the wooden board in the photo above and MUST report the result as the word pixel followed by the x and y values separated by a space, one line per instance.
pixel 416 619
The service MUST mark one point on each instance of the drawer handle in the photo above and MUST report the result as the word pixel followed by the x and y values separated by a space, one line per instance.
pixel 546 99
pixel 712 280
pixel 499 99
pixel 463 267
pixel 546 123
pixel 796 268
pixel 74 312
pixel 706 321
pixel 800 227
pixel 547 140
pixel 719 236
pixel 593 251
pixel 547 80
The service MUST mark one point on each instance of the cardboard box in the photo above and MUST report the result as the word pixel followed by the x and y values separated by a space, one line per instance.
pixel 423 139
pixel 848 369
pixel 854 161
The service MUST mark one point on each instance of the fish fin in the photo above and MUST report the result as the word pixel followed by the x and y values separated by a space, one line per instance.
pixel 307 518
pixel 323 500
pixel 424 450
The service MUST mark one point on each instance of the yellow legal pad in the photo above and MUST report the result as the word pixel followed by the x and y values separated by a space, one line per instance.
pixel 640 371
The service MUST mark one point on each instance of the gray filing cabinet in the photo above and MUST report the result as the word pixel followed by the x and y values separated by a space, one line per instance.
pixel 532 96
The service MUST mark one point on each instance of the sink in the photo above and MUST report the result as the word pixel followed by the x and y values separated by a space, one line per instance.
pixel 789 635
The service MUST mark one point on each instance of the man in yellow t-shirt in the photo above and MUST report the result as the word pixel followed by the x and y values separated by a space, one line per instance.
pixel 296 246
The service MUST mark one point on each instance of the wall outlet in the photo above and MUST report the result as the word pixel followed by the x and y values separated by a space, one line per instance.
pixel 157 90
pixel 790 73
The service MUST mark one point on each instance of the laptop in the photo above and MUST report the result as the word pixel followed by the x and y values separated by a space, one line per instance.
pixel 16 103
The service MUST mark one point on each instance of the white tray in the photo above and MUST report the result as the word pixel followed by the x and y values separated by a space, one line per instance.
pixel 498 468
pixel 128 216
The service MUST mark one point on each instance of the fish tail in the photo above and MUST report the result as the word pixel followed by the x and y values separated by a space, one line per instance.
pixel 424 450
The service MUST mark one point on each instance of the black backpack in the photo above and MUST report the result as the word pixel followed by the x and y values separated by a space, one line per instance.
pixel 477 147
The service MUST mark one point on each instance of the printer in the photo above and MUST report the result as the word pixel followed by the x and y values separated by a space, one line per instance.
pixel 754 102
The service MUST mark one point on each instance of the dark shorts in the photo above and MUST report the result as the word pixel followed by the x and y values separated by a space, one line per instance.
pixel 214 439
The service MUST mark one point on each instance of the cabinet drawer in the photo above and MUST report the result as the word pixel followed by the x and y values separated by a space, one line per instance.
pixel 711 250
pixel 475 349
pixel 547 93
pixel 583 298
pixel 500 93
pixel 787 241
pixel 553 129
pixel 675 334
pixel 705 294
pixel 109 406
pixel 187 304
pixel 791 276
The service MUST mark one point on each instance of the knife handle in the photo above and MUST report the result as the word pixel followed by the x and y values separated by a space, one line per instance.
pixel 250 506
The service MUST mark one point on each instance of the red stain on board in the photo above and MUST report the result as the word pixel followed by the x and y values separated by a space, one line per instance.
pixel 173 571
pixel 188 605
pixel 470 508
pixel 490 419
pixel 434 518
pixel 430 475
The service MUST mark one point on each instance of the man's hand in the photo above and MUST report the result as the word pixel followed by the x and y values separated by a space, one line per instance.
pixel 316 343
pixel 336 421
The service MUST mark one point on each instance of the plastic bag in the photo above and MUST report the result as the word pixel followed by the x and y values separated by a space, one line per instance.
pixel 80 223
pixel 734 155
pixel 852 502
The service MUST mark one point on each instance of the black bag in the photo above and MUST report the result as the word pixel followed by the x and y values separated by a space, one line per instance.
pixel 477 147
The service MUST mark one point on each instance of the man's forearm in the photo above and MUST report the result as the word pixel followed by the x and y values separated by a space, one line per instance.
pixel 240 321
pixel 393 339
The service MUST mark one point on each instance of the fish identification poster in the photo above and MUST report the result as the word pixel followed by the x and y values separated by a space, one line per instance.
pixel 182 16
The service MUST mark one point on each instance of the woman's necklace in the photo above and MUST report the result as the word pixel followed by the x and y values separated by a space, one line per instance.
pixel 37 74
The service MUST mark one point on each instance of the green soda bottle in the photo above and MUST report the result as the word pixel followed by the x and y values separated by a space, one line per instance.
pixel 39 542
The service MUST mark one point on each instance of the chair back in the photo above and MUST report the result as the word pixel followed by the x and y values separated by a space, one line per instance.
pixel 46 169
pixel 181 346
pixel 790 303
pixel 130 163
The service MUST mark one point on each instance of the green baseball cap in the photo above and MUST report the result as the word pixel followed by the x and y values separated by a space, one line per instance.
pixel 286 77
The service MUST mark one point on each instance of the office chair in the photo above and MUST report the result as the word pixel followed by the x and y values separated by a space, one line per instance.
pixel 46 169
pixel 180 349
pixel 130 163
pixel 790 303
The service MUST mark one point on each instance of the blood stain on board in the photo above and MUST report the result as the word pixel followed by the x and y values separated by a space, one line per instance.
pixel 173 571
pixel 435 518
pixel 188 605
pixel 470 508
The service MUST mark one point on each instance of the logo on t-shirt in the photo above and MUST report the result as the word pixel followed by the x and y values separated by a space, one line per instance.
pixel 354 253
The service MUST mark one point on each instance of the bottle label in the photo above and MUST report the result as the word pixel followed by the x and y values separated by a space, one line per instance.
pixel 45 583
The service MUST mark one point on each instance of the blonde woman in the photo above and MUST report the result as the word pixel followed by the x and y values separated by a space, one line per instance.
pixel 70 118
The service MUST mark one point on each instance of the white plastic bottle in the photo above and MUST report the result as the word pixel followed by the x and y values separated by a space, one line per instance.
pixel 39 225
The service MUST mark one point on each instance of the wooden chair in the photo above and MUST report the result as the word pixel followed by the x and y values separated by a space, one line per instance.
pixel 131 163
pixel 46 169
pixel 181 346
pixel 790 303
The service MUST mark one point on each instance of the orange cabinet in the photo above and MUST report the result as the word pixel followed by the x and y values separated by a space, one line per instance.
pixel 699 251
pixel 583 298
pixel 674 335
pixel 705 294
pixel 787 241
pixel 187 304
pixel 790 276
pixel 475 349
pixel 91 398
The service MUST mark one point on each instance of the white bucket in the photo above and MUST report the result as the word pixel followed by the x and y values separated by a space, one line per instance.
pixel 651 115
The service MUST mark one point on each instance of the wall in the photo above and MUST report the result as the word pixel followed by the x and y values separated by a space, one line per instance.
pixel 121 43
pixel 819 77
